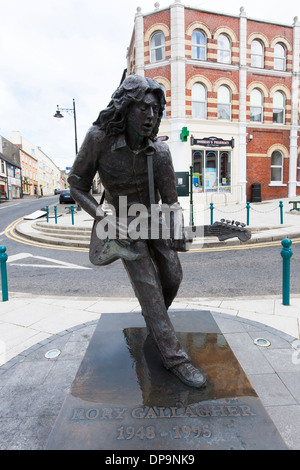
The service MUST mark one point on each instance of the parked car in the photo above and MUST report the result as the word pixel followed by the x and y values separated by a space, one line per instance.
pixel 57 191
pixel 65 196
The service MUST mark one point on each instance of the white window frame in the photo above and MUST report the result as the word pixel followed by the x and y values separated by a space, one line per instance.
pixel 196 102
pixel 224 53
pixel 257 58
pixel 256 106
pixel 224 107
pixel 280 60
pixel 199 49
pixel 279 109
pixel 154 49
pixel 276 182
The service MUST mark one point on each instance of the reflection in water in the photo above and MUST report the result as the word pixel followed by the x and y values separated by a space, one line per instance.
pixel 208 351
pixel 124 367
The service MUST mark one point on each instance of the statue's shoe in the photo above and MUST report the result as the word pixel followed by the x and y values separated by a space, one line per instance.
pixel 189 375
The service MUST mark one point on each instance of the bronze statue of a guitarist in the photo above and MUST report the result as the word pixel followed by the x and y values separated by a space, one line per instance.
pixel 123 148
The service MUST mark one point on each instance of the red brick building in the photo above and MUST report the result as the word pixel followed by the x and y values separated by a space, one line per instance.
pixel 232 85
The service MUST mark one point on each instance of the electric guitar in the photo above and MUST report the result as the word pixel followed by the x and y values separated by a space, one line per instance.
pixel 105 251
pixel 227 229
pixel 224 229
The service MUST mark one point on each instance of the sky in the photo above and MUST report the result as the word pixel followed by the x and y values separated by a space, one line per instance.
pixel 54 51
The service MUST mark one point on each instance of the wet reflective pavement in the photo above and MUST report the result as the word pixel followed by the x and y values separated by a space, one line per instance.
pixel 123 398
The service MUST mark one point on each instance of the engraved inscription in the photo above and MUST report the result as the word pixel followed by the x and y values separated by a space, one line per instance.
pixel 150 432
pixel 146 423
pixel 156 412
pixel 143 432
pixel 97 413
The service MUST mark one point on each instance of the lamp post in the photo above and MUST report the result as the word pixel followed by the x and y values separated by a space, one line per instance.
pixel 71 111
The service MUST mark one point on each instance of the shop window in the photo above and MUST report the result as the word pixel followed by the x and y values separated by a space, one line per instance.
pixel 198 159
pixel 257 54
pixel 256 106
pixel 199 100
pixel 198 45
pixel 279 57
pixel 224 103
pixel 225 172
pixel 224 49
pixel 211 171
pixel 298 168
pixel 278 107
pixel 157 47
pixel 276 167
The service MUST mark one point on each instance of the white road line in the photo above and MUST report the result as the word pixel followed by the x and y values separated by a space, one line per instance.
pixel 56 263
pixel 48 266
pixel 18 256
pixel 10 205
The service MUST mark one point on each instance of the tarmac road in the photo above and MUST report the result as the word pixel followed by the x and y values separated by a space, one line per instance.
pixel 235 271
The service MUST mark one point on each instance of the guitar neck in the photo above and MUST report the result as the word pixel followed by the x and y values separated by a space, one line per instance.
pixel 206 232
pixel 224 230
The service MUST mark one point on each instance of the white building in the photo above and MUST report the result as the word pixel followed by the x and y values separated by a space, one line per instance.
pixel 48 173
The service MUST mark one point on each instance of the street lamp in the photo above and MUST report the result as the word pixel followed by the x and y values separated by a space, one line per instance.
pixel 70 111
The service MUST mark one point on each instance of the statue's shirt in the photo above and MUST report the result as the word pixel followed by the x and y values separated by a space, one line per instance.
pixel 122 171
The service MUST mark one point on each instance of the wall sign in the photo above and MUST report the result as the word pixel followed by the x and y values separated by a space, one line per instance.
pixel 212 142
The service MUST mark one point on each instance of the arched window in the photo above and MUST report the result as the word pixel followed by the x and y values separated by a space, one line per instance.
pixel 224 49
pixel 199 98
pixel 198 45
pixel 279 57
pixel 256 106
pixel 257 54
pixel 157 47
pixel 224 103
pixel 276 166
pixel 278 107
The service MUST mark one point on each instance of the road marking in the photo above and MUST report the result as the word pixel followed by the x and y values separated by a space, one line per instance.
pixel 57 263
pixel 9 232
pixel 9 205
pixel 247 246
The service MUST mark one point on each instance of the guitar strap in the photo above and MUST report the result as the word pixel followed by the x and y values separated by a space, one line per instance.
pixel 102 197
pixel 151 178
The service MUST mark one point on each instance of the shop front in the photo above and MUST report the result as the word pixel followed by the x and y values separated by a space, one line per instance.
pixel 14 182
pixel 212 165
pixel 3 187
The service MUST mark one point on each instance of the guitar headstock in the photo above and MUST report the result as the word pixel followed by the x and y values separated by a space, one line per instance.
pixel 225 229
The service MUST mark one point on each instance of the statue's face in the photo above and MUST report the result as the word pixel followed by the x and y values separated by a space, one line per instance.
pixel 142 117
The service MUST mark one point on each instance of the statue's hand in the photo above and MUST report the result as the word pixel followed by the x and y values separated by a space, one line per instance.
pixel 179 245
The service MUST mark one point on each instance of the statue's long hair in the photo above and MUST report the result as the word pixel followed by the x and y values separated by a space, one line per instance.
pixel 112 120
